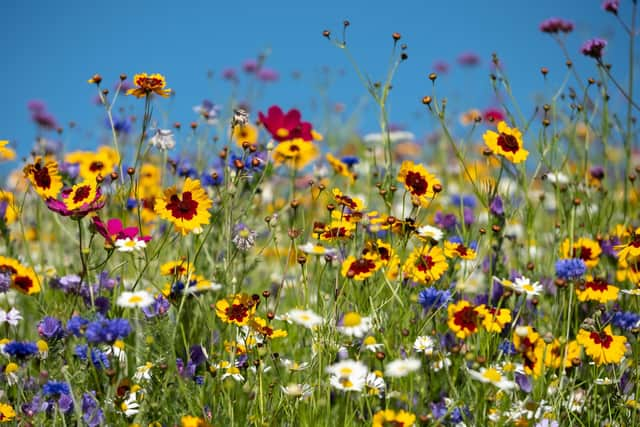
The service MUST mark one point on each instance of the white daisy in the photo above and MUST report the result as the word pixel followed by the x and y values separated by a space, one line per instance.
pixel 354 325
pixel 424 344
pixel 130 245
pixel 348 375
pixel 371 344
pixel 143 373
pixel 299 391
pixel 294 366
pixel 523 285
pixel 130 406
pixel 401 367
pixel 306 318
pixel 139 299
pixel 117 350
pixel 441 362
pixel 313 249
pixel 430 232
pixel 374 384
pixel 493 376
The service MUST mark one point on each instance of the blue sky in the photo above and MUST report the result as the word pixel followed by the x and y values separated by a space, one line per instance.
pixel 52 48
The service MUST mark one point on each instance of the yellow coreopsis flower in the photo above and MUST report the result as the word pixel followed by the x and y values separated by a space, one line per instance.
pixel 507 142
pixel 187 210
pixel 148 84
pixel 603 347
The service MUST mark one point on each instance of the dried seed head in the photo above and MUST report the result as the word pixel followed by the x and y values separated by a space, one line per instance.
pixel 426 100
pixel 433 77
pixel 544 71
pixel 395 36
pixel 326 33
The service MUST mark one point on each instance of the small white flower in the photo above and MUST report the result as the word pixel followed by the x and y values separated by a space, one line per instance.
pixel 557 178
pixel 139 299
pixel 313 249
pixel 428 231
pixel 354 325
pixel 117 350
pixel 424 344
pixel 306 318
pixel 493 376
pixel 371 344
pixel 442 362
pixel 401 367
pixel 300 391
pixel 374 384
pixel 524 285
pixel 143 373
pixel 130 245
pixel 234 373
pixel 11 317
pixel 130 407
pixel 294 366
pixel 163 139
pixel 348 375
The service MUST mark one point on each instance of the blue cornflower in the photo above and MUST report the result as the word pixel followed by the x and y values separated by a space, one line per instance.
pixel 432 298
pixel 570 269
pixel 626 320
pixel 213 178
pixel 466 201
pixel 55 388
pixel 76 325
pixel 20 349
pixel 120 124
pixel 50 329
pixel 107 330
pixel 98 358
pixel 506 347
pixel 350 160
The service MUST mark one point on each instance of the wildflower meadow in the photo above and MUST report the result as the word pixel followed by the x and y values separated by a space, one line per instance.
pixel 259 267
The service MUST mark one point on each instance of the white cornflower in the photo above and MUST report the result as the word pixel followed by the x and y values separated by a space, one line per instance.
pixel 11 317
pixel 163 139
pixel 306 318
pixel 354 325
pixel 424 344
pixel 493 376
pixel 401 367
pixel 130 245
pixel 138 299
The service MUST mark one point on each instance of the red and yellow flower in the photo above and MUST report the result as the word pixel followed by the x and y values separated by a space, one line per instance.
pixel 507 142
pixel 238 309
pixel 422 185
pixel 458 250
pixel 494 319
pixel 339 167
pixel 11 212
pixel 360 268
pixel 597 289
pixel 586 249
pixel 260 326
pixel 147 84
pixel 101 163
pixel 44 177
pixel 187 210
pixel 295 153
pixel 425 264
pixel 23 279
pixel 80 195
pixel 603 347
pixel 464 318
pixel 336 230
pixel 354 204
pixel 631 249
pixel 389 417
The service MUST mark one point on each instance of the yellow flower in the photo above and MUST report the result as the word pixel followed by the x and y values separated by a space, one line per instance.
pixel 493 319
pixel 425 264
pixel 455 250
pixel 148 84
pixel 6 153
pixel 100 163
pixel 44 177
pixel 11 212
pixel 237 309
pixel 340 229
pixel 25 280
pixel 7 413
pixel 422 185
pixel 354 204
pixel 81 194
pixel 296 153
pixel 586 249
pixel 247 133
pixel 187 211
pixel 339 167
pixel 389 417
pixel 360 268
pixel 631 249
pixel 597 290
pixel 507 142
pixel 260 326
pixel 463 318
pixel 191 421
pixel 602 347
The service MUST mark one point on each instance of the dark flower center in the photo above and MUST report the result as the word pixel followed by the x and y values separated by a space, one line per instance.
pixel 182 209
pixel 467 318
pixel 237 312
pixel 362 266
pixel 425 263
pixel 508 143
pixel 41 176
pixel 598 284
pixel 585 253
pixel 601 338
pixel 416 183
pixel 82 193
pixel 461 249
pixel 96 166
pixel 347 201
pixel 4 268
pixel 23 282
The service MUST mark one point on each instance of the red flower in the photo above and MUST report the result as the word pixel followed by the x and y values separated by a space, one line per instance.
pixel 283 127
pixel 493 115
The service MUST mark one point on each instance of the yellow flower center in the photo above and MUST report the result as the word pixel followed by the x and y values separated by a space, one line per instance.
pixel 369 340
pixel 135 299
pixel 492 375
pixel 351 319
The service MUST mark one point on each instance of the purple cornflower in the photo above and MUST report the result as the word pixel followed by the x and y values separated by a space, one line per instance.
pixel 5 281
pixel 446 221
pixel 433 299
pixel 593 48
pixel 230 74
pixel 50 329
pixel 556 25
pixel 496 207
pixel 197 354
pixel 159 307
pixel 570 269
pixel 20 349
pixel 506 347
pixel 70 283
pixel 91 413
pixel 121 124
pixel 611 6
pixel 106 282
pixel 107 330
pixel 65 403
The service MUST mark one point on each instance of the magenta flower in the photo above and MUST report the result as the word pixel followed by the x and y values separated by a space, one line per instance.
pixel 268 75
pixel 284 127
pixel 556 25
pixel 468 59
pixel 594 48
pixel 250 66
pixel 60 207
pixel 114 230
pixel 611 6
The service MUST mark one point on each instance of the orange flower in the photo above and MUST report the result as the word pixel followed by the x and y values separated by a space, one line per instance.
pixel 147 84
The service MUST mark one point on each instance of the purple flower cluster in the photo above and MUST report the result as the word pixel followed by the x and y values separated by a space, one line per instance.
pixel 556 25
pixel 594 48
